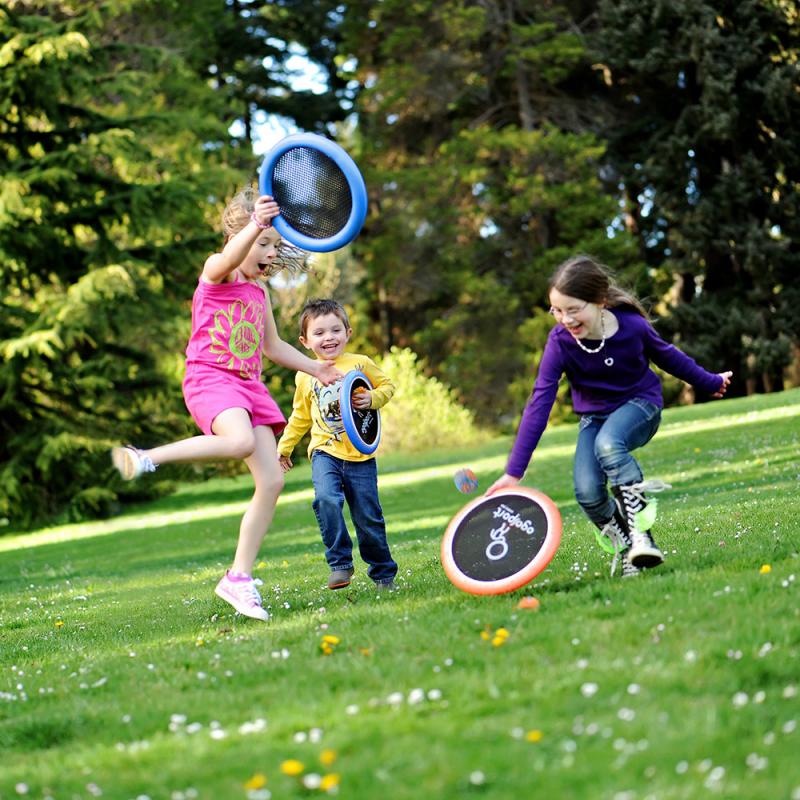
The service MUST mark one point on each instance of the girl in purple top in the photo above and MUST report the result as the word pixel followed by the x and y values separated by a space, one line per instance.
pixel 604 345
pixel 232 325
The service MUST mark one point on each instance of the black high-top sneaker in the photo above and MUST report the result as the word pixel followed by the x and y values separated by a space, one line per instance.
pixel 640 513
pixel 613 537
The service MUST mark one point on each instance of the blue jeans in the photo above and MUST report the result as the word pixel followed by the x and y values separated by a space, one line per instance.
pixel 603 454
pixel 335 481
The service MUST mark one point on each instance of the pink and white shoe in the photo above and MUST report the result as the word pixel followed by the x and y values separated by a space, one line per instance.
pixel 130 462
pixel 242 594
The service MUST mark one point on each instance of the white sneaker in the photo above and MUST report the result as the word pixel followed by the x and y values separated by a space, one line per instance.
pixel 243 596
pixel 644 551
pixel 130 462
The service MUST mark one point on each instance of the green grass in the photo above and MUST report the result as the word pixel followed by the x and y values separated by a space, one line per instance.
pixel 681 683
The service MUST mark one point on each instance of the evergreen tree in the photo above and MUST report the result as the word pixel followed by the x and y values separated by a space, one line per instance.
pixel 108 151
pixel 707 107
pixel 247 51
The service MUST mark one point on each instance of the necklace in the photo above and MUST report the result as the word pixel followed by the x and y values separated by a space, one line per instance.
pixel 602 338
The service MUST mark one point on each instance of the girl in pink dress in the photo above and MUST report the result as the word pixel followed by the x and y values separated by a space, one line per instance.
pixel 232 325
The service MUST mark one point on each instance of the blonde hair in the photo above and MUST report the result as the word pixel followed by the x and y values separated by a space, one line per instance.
pixel 236 216
pixel 586 279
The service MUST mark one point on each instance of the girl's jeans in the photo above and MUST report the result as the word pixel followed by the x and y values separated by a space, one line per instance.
pixel 603 454
pixel 336 480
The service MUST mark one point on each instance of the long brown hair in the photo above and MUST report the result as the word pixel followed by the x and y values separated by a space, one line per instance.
pixel 586 279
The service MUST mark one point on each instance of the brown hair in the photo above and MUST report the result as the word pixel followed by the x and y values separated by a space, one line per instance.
pixel 236 216
pixel 319 308
pixel 583 277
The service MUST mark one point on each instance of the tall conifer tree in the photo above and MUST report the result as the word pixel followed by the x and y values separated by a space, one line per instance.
pixel 706 147
pixel 107 151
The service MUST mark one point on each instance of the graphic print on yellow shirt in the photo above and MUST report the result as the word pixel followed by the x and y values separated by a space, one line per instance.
pixel 236 337
pixel 330 412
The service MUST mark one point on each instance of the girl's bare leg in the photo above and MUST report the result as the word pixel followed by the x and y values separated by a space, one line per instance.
pixel 268 477
pixel 233 438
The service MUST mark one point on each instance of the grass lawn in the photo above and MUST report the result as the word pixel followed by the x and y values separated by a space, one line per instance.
pixel 122 676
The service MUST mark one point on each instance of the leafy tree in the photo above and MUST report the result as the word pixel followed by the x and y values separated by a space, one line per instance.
pixel 117 150
pixel 478 133
pixel 423 414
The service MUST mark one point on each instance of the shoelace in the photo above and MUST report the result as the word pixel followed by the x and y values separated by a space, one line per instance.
pixel 611 532
pixel 147 464
pixel 645 511
pixel 250 593
pixel 650 485
pixel 614 562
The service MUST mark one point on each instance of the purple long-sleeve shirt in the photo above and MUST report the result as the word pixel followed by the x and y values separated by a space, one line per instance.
pixel 601 382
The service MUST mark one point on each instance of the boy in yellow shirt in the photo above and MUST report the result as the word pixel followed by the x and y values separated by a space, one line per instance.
pixel 338 470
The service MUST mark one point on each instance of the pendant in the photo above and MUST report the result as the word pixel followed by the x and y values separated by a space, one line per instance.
pixel 609 362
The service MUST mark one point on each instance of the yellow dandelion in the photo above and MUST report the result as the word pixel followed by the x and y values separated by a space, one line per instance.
pixel 284 563
pixel 534 736
pixel 261 565
pixel 258 781
pixel 326 648
pixel 485 635
pixel 330 639
pixel 327 757
pixel 59 623
pixel 765 568
pixel 329 782
pixel 365 651
pixel 498 641
pixel 502 632
pixel 200 641
pixel 698 450
pixel 292 767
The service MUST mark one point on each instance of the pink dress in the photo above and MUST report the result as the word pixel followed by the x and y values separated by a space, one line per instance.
pixel 223 357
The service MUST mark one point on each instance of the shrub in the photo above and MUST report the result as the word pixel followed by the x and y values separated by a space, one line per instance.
pixel 424 413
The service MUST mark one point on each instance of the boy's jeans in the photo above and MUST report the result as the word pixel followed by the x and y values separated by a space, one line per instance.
pixel 336 480
pixel 603 454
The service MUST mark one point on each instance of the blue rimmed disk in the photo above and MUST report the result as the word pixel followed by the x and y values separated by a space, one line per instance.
pixel 362 427
pixel 320 191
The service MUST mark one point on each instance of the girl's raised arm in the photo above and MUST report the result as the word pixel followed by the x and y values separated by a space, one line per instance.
pixel 219 265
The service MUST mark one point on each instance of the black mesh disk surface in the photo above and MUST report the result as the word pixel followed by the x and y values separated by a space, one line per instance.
pixel 312 192
pixel 487 547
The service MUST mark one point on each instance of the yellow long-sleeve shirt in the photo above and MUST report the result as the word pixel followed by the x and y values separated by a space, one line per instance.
pixel 316 408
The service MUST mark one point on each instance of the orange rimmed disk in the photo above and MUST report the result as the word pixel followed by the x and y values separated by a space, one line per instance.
pixel 500 542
